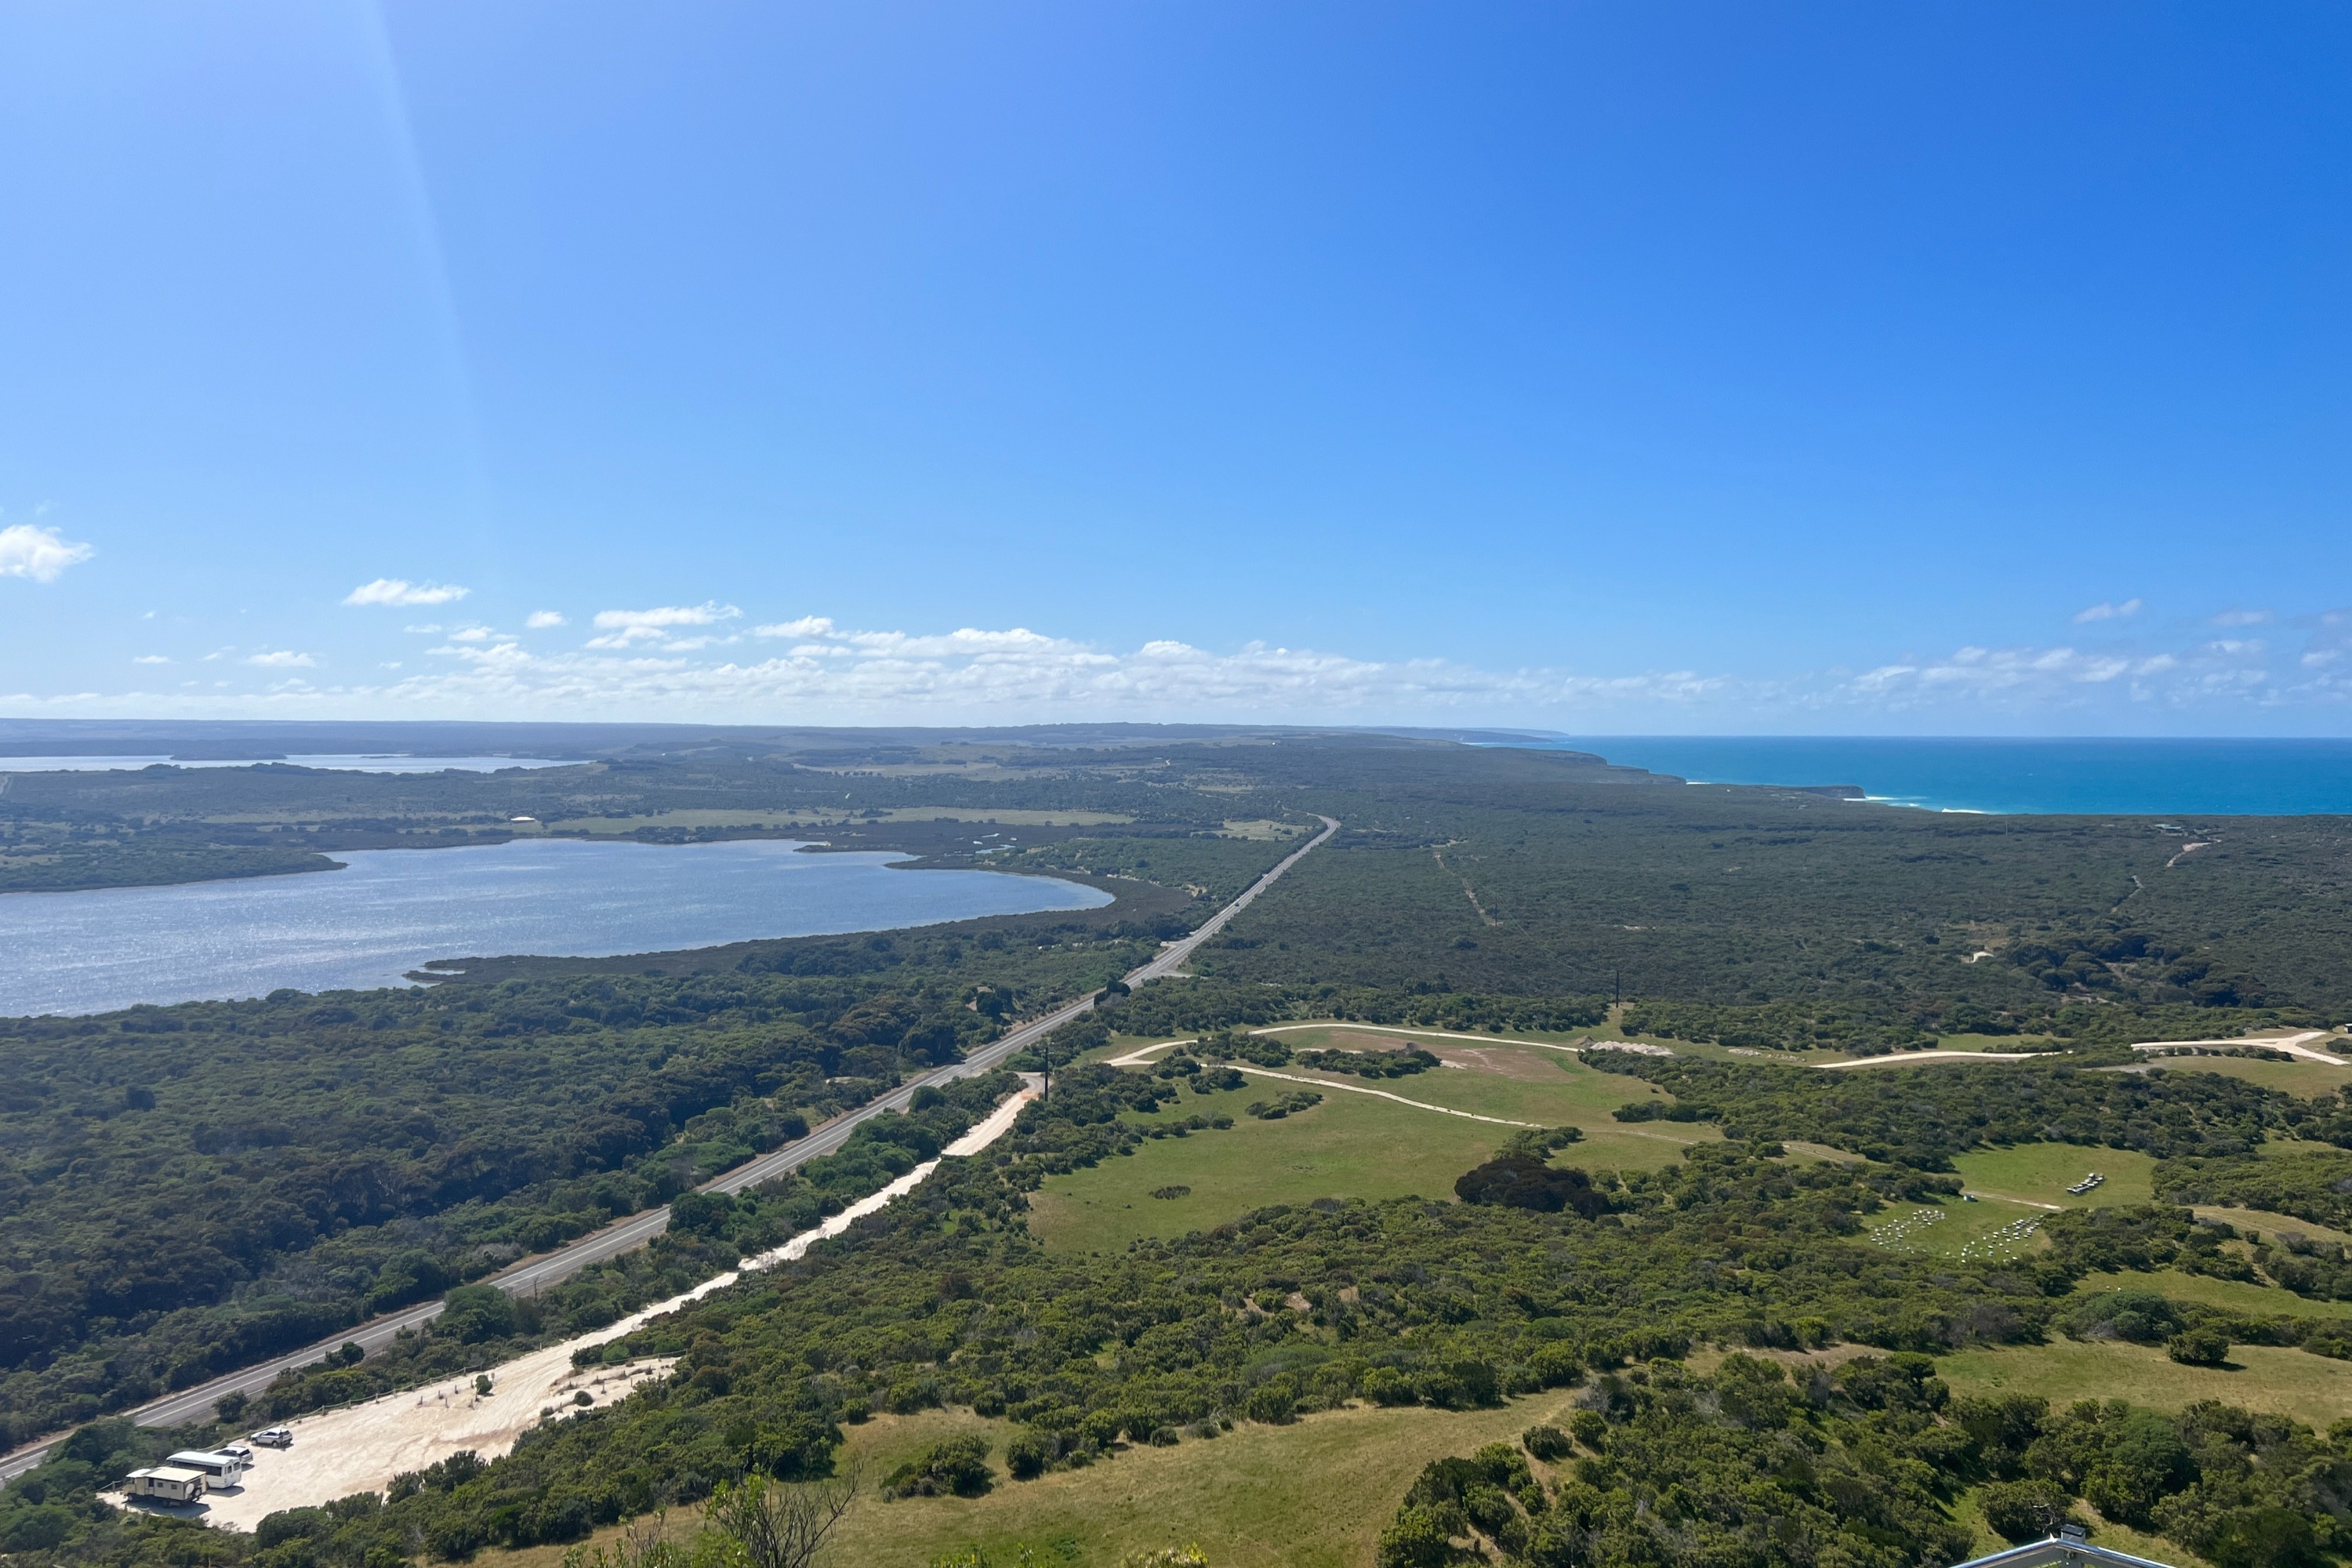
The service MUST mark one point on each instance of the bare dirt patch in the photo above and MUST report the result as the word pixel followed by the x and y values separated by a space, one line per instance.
pixel 1524 1066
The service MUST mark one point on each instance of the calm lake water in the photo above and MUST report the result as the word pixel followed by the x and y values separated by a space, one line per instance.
pixel 391 910
pixel 334 762
pixel 2129 776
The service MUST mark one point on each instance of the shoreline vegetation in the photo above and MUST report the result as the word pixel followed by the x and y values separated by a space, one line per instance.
pixel 1694 1246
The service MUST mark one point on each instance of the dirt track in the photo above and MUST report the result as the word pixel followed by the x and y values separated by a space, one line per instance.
pixel 362 1448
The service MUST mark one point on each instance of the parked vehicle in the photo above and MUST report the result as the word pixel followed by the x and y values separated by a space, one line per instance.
pixel 274 1438
pixel 168 1483
pixel 220 1470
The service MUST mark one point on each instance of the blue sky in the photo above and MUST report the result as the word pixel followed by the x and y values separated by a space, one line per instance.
pixel 1930 368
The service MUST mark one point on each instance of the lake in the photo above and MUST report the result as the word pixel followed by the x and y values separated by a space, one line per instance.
pixel 391 910
pixel 330 762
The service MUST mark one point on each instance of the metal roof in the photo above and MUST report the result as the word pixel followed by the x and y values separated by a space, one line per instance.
pixel 2067 1549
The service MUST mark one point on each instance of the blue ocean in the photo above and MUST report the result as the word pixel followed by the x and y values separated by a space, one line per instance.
pixel 2102 777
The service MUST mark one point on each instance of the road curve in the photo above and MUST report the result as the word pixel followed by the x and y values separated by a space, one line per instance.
pixel 532 1274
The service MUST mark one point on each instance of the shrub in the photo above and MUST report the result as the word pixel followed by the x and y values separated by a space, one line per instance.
pixel 1275 1402
pixel 1556 1366
pixel 2023 1510
pixel 958 1466
pixel 1526 1182
pixel 2198 1347
pixel 473 1313
pixel 1421 1538
pixel 1461 1384
pixel 1548 1442
pixel 2264 1538
pixel 2143 1316
pixel 1027 1454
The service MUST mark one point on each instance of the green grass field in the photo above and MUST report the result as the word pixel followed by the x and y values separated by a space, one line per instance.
pixel 2041 1172
pixel 2307 1078
pixel 2012 1185
pixel 1351 1145
pixel 2311 1389
pixel 2266 1225
pixel 1312 1495
pixel 2229 1295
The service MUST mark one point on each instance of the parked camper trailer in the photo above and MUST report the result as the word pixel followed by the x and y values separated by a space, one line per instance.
pixel 220 1471
pixel 167 1483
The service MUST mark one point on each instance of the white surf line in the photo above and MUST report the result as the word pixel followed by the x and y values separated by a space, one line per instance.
pixel 361 1447
pixel 2293 1045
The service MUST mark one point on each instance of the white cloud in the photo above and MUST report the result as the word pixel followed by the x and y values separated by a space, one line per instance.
pixel 401 591
pixel 806 626
pixel 539 620
pixel 682 663
pixel 2107 612
pixel 2241 617
pixel 151 658
pixel 429 628
pixel 627 628
pixel 40 553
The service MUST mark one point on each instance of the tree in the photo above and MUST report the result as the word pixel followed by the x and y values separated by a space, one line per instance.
pixel 782 1526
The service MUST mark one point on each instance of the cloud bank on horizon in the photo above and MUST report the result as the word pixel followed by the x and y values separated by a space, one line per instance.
pixel 694 662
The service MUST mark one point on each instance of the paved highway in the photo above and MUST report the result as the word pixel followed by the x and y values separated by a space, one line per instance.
pixel 533 1273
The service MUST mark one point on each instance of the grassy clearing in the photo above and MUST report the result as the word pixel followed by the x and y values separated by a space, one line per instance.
pixel 2292 1383
pixel 2041 1173
pixel 1990 1042
pixel 1350 1146
pixel 2267 1225
pixel 2229 1295
pixel 1315 1493
pixel 1802 1153
pixel 1312 1495
pixel 2014 1184
pixel 2307 1078
pixel 1321 1036
pixel 1949 1228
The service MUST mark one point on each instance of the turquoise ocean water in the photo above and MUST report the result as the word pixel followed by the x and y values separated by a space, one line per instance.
pixel 2149 777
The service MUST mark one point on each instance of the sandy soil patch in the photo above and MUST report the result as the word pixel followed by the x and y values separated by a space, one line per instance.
pixel 2298 1044
pixel 361 1449
pixel 1523 1065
